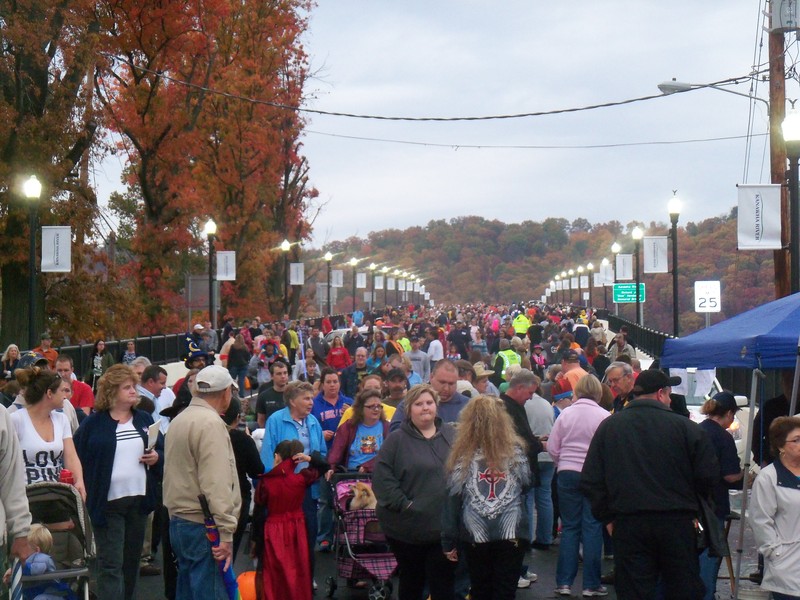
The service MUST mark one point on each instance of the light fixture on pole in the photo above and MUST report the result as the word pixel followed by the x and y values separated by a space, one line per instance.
pixel 406 275
pixel 565 281
pixel 557 278
pixel 637 234
pixel 615 250
pixel 791 137
pixel 552 286
pixel 571 272
pixel 673 87
pixel 674 209
pixel 580 290
pixel 604 265
pixel 210 229
pixel 385 273
pixel 353 263
pixel 285 247
pixel 372 267
pixel 590 269
pixel 328 258
pixel 32 188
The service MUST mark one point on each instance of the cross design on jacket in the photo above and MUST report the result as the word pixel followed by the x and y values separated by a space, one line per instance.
pixel 492 477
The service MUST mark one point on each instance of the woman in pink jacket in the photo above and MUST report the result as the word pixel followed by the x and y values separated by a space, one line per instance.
pixel 568 444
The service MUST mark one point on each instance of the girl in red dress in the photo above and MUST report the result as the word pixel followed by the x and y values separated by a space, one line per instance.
pixel 287 572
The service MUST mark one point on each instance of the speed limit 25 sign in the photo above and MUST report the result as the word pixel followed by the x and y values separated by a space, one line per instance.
pixel 707 297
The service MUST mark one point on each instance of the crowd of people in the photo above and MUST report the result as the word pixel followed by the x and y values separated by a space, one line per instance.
pixel 486 430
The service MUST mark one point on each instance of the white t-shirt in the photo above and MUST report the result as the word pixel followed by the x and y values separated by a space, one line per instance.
pixel 128 477
pixel 435 350
pixel 43 460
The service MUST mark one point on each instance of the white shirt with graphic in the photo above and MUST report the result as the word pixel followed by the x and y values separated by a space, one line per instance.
pixel 43 460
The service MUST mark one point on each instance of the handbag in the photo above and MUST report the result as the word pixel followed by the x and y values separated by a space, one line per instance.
pixel 710 533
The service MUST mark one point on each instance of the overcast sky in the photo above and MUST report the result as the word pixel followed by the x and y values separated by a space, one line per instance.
pixel 475 58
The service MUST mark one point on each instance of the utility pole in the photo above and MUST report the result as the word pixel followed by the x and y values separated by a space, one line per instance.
pixel 777 157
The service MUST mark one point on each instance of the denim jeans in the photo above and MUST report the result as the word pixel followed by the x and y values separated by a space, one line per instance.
pixel 198 573
pixel 709 569
pixel 239 374
pixel 119 546
pixel 325 513
pixel 577 524
pixel 542 497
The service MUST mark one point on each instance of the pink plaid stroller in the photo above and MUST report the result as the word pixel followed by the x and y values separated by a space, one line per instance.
pixel 359 544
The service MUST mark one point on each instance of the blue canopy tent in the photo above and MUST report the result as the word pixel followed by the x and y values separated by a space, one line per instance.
pixel 766 337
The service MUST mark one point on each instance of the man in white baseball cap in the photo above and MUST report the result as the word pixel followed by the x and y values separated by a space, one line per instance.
pixel 199 460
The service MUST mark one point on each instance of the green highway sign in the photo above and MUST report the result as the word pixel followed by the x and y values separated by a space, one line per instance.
pixel 625 293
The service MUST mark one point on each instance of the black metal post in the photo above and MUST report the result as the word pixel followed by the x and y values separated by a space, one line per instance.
pixel 638 284
pixel 385 286
pixel 212 316
pixel 354 288
pixel 580 292
pixel 32 278
pixel 675 306
pixel 396 291
pixel 285 282
pixel 793 150
pixel 372 292
pixel 329 288
pixel 590 289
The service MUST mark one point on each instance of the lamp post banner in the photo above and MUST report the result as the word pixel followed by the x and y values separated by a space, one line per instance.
pixel 598 279
pixel 655 254
pixel 401 285
pixel 584 281
pixel 559 285
pixel 607 274
pixel 759 217
pixel 390 284
pixel 378 282
pixel 361 281
pixel 226 265
pixel 56 249
pixel 337 278
pixel 624 267
pixel 296 274
pixel 573 282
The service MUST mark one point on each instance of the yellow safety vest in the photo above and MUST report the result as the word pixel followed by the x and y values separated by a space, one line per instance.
pixel 509 357
pixel 521 324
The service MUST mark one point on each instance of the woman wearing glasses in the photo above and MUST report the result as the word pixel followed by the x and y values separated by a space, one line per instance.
pixel 775 511
pixel 358 439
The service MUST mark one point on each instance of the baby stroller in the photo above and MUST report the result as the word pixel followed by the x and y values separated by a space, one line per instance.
pixel 59 507
pixel 359 545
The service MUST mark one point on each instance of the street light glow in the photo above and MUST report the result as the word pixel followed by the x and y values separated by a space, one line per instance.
pixel 637 233
pixel 616 248
pixel 328 257
pixel 285 246
pixel 32 188
pixel 210 228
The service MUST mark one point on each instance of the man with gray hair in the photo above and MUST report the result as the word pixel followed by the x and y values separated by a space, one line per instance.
pixel 620 378
pixel 200 461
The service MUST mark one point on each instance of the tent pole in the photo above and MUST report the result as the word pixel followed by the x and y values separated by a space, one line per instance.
pixel 793 404
pixel 748 447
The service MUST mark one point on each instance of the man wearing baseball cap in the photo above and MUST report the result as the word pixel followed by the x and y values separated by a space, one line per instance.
pixel 645 468
pixel 199 460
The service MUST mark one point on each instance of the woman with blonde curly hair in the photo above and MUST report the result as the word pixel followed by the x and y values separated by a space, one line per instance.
pixel 120 474
pixel 488 476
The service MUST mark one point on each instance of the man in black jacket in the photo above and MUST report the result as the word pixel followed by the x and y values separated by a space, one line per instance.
pixel 645 467
pixel 520 389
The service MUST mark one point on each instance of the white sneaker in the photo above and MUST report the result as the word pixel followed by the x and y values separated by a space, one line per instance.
pixel 314 584
pixel 523 583
pixel 563 590
pixel 531 576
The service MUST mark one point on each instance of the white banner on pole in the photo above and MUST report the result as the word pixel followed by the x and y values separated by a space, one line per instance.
pixel 416 287
pixel 624 267
pixel 584 281
pixel 565 284
pixel 573 283
pixel 378 282
pixel 607 271
pixel 598 280
pixel 361 281
pixel 368 297
pixel 431 303
pixel 655 254
pixel 544 299
pixel 427 295
pixel 586 296
pixel 547 292
pixel 559 286
pixel 422 289
pixel 296 274
pixel 226 265
pixel 56 249
pixel 759 217
pixel 390 281
pixel 337 278
pixel 401 285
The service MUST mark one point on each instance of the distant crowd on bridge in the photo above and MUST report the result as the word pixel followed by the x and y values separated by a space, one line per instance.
pixel 481 432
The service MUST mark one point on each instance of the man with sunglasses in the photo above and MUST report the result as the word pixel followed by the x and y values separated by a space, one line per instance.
pixel 645 468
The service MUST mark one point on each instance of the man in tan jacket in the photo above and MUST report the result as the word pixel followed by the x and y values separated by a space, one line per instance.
pixel 199 460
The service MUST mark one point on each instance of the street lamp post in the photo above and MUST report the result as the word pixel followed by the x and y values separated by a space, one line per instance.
pixel 285 247
pixel 605 264
pixel 791 137
pixel 210 230
pixel 406 276
pixel 564 281
pixel 353 263
pixel 637 234
pixel 571 272
pixel 580 290
pixel 328 259
pixel 615 250
pixel 557 278
pixel 372 267
pixel 590 269
pixel 32 188
pixel 385 273
pixel 674 208
pixel 397 287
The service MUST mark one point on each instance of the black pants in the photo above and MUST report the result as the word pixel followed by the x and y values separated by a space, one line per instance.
pixel 420 564
pixel 494 568
pixel 652 547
